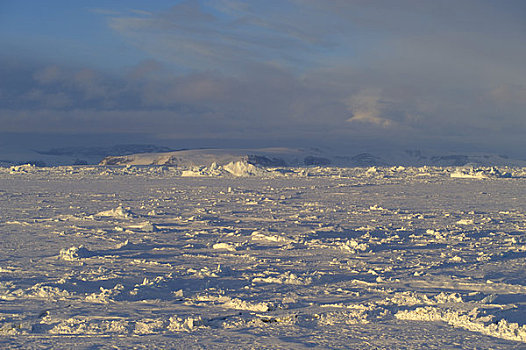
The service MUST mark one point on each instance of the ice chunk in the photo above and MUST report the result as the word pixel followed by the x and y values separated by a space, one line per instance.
pixel 74 253
pixel 243 168
pixel 118 213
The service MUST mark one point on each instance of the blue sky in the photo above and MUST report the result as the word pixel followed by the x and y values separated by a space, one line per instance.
pixel 341 73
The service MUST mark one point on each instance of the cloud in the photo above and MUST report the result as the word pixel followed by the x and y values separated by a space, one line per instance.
pixel 316 71
pixel 48 75
pixel 234 34
pixel 268 103
pixel 145 69
pixel 509 93
pixel 53 100
pixel 368 107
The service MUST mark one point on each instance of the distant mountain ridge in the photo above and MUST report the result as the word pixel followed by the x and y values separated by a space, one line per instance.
pixel 149 154
pixel 74 155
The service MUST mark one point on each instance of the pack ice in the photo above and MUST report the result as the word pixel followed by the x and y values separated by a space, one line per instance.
pixel 234 255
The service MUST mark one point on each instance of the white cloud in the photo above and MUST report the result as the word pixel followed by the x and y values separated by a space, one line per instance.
pixel 368 107
pixel 370 117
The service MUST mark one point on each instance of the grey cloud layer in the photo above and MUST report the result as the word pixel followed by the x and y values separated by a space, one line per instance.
pixel 205 103
pixel 426 71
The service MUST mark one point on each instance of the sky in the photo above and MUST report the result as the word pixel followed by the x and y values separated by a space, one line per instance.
pixel 343 74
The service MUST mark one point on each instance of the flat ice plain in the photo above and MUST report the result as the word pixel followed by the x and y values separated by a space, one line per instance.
pixel 358 258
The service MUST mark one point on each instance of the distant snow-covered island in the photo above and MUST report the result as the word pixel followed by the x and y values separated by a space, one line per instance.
pixel 293 157
pixel 148 154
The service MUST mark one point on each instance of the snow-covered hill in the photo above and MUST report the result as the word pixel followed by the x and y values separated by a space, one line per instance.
pixel 290 157
pixel 268 157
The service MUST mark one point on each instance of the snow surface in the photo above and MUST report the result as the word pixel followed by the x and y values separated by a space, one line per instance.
pixel 234 255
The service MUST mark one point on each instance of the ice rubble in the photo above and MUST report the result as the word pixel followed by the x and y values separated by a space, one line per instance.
pixel 24 168
pixel 479 173
pixel 467 320
pixel 226 246
pixel 74 253
pixel 243 168
pixel 145 226
pixel 119 213
pixel 84 326
pixel 236 303
pixel 285 278
pixel 178 324
pixel 150 326
pixel 240 168
pixel 212 170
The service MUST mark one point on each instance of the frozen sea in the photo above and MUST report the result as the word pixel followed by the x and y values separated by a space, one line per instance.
pixel 300 258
